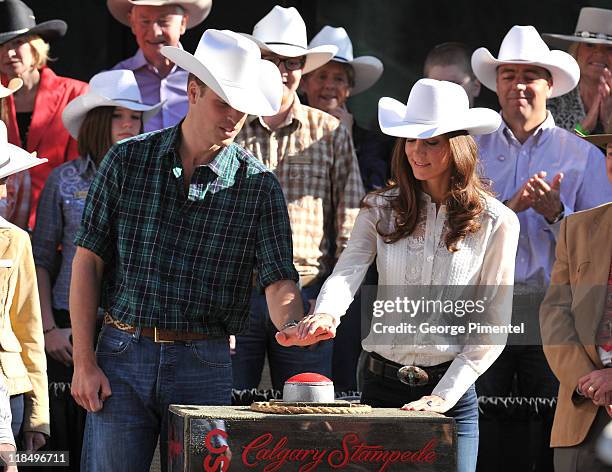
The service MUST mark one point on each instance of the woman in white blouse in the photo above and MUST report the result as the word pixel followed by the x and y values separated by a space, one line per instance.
pixel 435 224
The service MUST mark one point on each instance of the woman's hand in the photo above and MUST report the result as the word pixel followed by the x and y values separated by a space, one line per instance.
pixel 427 403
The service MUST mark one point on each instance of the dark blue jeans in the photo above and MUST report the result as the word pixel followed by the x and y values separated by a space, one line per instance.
pixel 145 378
pixel 252 346
pixel 382 392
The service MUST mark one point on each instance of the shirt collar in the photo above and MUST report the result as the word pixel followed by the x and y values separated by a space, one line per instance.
pixel 139 61
pixel 296 116
pixel 85 165
pixel 539 136
pixel 224 165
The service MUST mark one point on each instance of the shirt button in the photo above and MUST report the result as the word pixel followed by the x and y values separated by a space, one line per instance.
pixel 429 258
pixel 501 158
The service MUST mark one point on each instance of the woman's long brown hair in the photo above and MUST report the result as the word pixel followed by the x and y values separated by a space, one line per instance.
pixel 464 201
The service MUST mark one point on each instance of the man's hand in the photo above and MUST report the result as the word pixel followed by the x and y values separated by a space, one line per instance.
pixel 597 386
pixel 33 440
pixel 310 330
pixel 545 197
pixel 58 346
pixel 90 387
pixel 521 199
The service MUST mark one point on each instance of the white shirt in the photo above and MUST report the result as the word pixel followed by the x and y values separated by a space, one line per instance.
pixel 485 257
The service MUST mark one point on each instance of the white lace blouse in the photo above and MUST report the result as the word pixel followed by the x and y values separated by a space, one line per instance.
pixel 484 258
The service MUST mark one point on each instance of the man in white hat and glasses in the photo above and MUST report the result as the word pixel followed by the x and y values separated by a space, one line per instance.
pixel 312 155
pixel 542 173
pixel 155 24
pixel 174 225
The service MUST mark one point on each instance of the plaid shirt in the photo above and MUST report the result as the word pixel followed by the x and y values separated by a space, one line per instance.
pixel 185 262
pixel 314 160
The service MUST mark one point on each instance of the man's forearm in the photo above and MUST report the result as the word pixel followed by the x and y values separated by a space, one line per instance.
pixel 284 302
pixel 87 269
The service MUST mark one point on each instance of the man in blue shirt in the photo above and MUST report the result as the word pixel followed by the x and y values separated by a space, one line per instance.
pixel 543 173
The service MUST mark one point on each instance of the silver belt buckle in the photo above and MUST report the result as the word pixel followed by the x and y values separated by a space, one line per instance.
pixel 413 376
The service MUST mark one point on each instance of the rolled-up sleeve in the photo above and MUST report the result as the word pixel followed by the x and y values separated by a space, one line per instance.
pixel 101 206
pixel 274 245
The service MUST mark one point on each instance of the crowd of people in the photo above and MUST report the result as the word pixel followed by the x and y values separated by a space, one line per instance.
pixel 182 217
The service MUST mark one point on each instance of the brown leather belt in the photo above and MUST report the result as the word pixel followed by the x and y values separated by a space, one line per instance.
pixel 157 334
pixel 410 375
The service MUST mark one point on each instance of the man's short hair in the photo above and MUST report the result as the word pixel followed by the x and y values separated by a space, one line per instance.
pixel 451 53
pixel 195 78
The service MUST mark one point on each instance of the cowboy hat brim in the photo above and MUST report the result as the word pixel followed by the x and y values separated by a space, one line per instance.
pixel 562 67
pixel 13 85
pixel 74 113
pixel 47 30
pixel 315 57
pixel 600 140
pixel 475 121
pixel 196 10
pixel 19 160
pixel 565 40
pixel 260 96
pixel 368 69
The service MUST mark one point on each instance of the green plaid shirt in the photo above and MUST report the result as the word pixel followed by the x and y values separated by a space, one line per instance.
pixel 185 261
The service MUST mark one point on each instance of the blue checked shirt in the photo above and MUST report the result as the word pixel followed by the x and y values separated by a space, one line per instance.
pixel 184 261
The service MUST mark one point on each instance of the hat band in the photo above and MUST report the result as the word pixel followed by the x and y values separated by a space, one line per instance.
pixel 340 58
pixel 591 35
pixel 286 44
pixel 5 163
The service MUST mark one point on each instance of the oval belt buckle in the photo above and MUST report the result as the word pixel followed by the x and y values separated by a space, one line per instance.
pixel 413 376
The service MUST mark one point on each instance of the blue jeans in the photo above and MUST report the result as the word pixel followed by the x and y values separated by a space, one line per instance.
pixel 145 378
pixel 386 393
pixel 251 348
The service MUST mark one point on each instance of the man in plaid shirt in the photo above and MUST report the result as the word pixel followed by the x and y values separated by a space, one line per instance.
pixel 313 157
pixel 174 224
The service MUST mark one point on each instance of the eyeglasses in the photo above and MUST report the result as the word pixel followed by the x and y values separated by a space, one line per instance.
pixel 290 63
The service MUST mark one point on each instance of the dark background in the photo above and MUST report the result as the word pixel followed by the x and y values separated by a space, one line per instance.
pixel 399 32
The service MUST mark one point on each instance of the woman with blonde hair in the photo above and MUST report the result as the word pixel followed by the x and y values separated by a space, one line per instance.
pixel 434 225
pixel 33 113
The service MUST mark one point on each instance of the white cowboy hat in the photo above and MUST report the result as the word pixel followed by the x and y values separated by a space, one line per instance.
pixel 283 32
pixel 434 107
pixel 13 85
pixel 231 66
pixel 523 45
pixel 13 159
pixel 112 88
pixel 594 26
pixel 368 69
pixel 196 10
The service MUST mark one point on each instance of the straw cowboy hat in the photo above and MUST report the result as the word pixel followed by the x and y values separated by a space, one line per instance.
pixel 113 88
pixel 523 45
pixel 231 65
pixel 434 107
pixel 283 32
pixel 594 26
pixel 17 19
pixel 600 140
pixel 196 10
pixel 13 85
pixel 13 159
pixel 368 69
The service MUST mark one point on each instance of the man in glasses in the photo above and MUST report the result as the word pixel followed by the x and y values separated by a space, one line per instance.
pixel 312 155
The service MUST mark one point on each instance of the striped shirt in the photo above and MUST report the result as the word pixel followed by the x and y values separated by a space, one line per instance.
pixel 313 157
pixel 184 261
